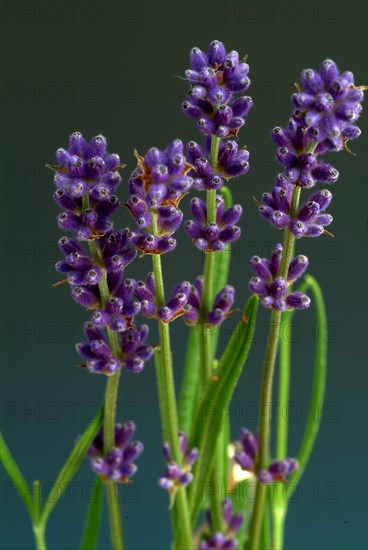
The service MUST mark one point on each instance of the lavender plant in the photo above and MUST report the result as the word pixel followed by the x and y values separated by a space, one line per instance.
pixel 196 447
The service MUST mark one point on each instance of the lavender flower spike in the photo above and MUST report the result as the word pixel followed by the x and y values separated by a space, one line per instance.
pixel 329 104
pixel 216 235
pixel 232 523
pixel 272 289
pixel 118 464
pixel 156 187
pixel 215 78
pixel 86 168
pixel 174 308
pixel 247 457
pixel 222 304
pixel 174 476
pixel 232 162
pixel 97 353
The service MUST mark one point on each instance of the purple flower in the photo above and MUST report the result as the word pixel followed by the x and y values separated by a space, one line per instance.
pixel 86 170
pixel 134 350
pixel 222 304
pixel 329 104
pixel 215 78
pixel 232 162
pixel 175 307
pixel 302 167
pixel 116 251
pixel 214 236
pixel 120 310
pixel 278 470
pixel 247 457
pixel 232 159
pixel 232 524
pixel 272 289
pixel 176 476
pixel 311 217
pixel 97 354
pixel 156 187
pixel 160 179
pixel 78 266
pixel 118 464
pixel 148 243
pixel 203 174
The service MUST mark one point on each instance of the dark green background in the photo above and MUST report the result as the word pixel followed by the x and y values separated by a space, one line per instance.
pixel 112 67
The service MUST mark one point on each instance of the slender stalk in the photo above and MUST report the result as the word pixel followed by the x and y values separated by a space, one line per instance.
pixel 167 397
pixel 190 386
pixel 279 508
pixel 206 346
pixel 267 383
pixel 208 275
pixel 284 388
pixel 116 529
pixel 37 497
pixel 39 534
pixel 38 527
pixel 264 427
pixel 111 394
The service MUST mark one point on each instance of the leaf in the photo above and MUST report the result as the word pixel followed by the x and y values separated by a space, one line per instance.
pixel 319 385
pixel 93 519
pixel 216 397
pixel 241 494
pixel 17 478
pixel 190 385
pixel 72 464
pixel 222 458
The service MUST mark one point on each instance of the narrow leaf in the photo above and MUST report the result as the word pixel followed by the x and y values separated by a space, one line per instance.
pixel 16 476
pixel 216 398
pixel 319 385
pixel 93 519
pixel 222 459
pixel 241 495
pixel 72 464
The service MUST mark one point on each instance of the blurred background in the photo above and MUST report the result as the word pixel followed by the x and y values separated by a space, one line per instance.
pixel 114 67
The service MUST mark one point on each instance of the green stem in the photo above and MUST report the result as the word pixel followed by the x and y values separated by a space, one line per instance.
pixel 116 529
pixel 168 401
pixel 267 383
pixel 113 381
pixel 39 535
pixel 37 497
pixel 111 394
pixel 284 388
pixel 278 517
pixel 206 347
pixel 206 344
pixel 279 508
pixel 190 384
pixel 208 276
